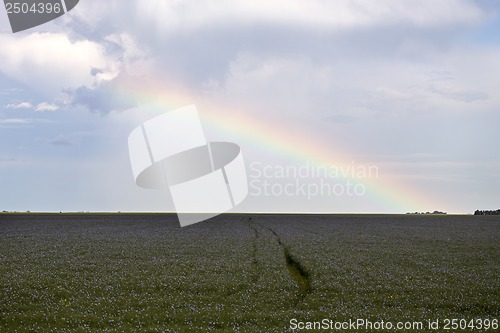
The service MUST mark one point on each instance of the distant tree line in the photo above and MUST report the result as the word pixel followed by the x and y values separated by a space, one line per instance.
pixel 487 212
pixel 428 213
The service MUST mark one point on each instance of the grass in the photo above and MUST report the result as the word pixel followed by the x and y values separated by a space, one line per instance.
pixel 143 273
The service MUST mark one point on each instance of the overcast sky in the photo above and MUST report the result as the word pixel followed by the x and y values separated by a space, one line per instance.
pixel 410 88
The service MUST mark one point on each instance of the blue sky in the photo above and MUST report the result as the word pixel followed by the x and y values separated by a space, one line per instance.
pixel 411 87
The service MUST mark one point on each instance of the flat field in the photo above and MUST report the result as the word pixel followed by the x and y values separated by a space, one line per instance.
pixel 246 273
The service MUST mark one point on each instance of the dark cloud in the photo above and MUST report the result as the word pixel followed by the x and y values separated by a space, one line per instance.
pixel 94 71
pixel 104 97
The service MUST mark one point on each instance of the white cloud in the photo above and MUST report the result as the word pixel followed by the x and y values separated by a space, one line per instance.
pixel 172 16
pixel 370 97
pixel 46 107
pixel 50 62
pixel 299 86
pixel 22 105
pixel 23 121
pixel 15 121
pixel 156 37
pixel 164 18
pixel 10 91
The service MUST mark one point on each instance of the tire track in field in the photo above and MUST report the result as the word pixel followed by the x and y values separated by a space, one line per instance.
pixel 254 263
pixel 297 271
pixel 253 257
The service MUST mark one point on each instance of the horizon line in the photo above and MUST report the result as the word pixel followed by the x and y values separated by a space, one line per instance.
pixel 233 213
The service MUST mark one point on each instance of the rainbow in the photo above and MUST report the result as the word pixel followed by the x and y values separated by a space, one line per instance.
pixel 392 194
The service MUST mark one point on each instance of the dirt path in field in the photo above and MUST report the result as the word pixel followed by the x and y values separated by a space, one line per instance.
pixel 296 269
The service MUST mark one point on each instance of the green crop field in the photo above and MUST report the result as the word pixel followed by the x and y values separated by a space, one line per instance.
pixel 246 273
